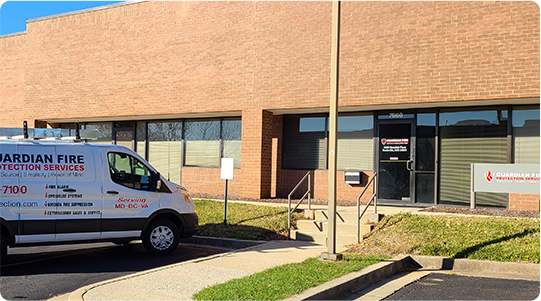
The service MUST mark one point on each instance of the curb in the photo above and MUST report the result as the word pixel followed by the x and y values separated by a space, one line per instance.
pixel 359 280
pixel 355 280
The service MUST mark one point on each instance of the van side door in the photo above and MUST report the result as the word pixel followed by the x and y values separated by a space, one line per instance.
pixel 129 195
pixel 38 200
pixel 79 198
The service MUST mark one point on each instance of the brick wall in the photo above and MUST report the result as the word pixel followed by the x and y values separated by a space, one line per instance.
pixel 207 180
pixel 288 179
pixel 433 52
pixel 521 201
pixel 12 80
pixel 256 153
pixel 169 57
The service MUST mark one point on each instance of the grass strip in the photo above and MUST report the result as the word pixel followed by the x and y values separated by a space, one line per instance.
pixel 482 238
pixel 284 281
pixel 244 221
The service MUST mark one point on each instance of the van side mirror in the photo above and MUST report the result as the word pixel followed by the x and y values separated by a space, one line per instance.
pixel 157 182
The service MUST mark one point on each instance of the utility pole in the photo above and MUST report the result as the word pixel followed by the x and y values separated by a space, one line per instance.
pixel 333 124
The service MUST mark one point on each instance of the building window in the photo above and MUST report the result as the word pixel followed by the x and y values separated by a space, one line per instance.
pixel 141 138
pixel 104 129
pixel 202 143
pixel 355 142
pixel 526 135
pixel 231 140
pixel 305 142
pixel 470 137
pixel 425 158
pixel 165 148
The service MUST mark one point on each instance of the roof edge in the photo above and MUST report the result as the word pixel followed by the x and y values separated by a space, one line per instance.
pixel 86 10
pixel 13 34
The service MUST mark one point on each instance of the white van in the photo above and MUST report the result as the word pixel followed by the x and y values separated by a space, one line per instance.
pixel 55 192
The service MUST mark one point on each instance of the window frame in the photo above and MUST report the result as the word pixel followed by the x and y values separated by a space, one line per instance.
pixel 132 160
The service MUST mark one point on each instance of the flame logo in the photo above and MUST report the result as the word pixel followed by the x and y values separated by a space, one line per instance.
pixel 488 176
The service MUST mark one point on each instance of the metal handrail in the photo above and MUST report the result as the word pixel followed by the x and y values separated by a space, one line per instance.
pixel 373 199
pixel 289 211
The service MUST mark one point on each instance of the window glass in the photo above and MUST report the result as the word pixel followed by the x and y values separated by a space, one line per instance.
pixel 202 143
pixel 305 142
pixel 140 138
pixel 526 135
pixel 104 130
pixel 231 140
pixel 312 124
pixel 355 138
pixel 470 137
pixel 128 171
pixel 425 153
pixel 165 148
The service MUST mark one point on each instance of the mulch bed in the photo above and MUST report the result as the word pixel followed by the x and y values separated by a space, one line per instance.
pixel 443 209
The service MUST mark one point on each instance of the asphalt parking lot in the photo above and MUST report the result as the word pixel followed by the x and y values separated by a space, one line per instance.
pixel 450 286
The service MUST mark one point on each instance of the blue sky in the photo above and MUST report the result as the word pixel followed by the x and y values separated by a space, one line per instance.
pixel 13 14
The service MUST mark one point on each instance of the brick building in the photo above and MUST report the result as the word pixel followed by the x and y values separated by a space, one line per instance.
pixel 426 88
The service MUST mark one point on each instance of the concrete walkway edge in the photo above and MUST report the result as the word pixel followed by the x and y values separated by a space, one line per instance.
pixel 359 280
pixel 355 280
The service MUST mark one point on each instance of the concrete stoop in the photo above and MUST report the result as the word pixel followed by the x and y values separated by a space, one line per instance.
pixel 357 281
pixel 315 228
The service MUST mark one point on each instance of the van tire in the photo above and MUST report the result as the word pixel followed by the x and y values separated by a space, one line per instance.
pixel 161 237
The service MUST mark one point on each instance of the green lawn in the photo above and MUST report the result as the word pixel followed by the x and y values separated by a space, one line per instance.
pixel 244 221
pixel 483 238
pixel 286 280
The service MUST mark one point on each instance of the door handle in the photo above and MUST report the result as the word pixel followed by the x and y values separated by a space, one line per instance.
pixel 112 192
pixel 408 165
pixel 70 190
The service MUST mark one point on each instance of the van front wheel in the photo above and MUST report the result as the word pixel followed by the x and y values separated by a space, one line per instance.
pixel 161 237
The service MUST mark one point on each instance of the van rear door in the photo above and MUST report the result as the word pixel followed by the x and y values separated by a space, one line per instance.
pixel 79 193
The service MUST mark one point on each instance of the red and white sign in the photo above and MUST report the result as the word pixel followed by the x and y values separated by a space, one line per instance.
pixel 506 178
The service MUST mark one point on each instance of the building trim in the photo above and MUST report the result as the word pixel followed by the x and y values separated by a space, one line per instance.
pixel 407 106
pixel 9 35
pixel 146 117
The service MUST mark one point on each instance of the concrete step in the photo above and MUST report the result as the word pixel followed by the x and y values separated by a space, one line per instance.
pixel 323 226
pixel 320 237
pixel 341 228
pixel 344 216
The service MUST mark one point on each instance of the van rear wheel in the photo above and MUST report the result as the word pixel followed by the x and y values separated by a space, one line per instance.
pixel 161 237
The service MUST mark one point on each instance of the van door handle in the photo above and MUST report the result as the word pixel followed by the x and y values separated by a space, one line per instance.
pixel 112 192
pixel 70 190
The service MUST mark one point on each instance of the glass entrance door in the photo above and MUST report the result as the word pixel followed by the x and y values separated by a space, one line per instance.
pixel 395 161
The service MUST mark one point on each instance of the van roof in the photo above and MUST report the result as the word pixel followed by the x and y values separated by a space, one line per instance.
pixel 60 143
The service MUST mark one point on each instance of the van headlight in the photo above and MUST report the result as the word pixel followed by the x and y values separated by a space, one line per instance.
pixel 186 195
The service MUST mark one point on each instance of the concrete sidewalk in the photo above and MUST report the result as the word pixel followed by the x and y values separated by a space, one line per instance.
pixel 180 281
